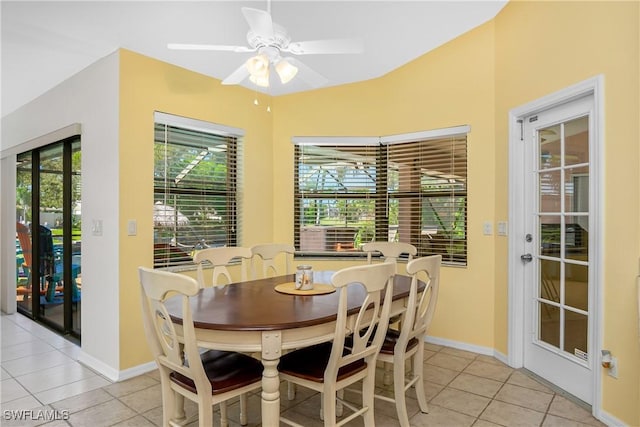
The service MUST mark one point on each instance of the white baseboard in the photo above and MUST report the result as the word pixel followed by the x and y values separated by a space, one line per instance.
pixel 487 351
pixel 99 366
pixel 610 420
pixel 137 370
pixel 111 373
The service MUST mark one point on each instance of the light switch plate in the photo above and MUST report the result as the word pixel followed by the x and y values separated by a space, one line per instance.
pixel 132 227
pixel 487 228
pixel 502 228
pixel 96 227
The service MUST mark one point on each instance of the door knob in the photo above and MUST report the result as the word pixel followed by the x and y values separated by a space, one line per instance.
pixel 526 258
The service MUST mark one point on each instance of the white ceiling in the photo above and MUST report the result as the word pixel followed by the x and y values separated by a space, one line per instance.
pixel 43 43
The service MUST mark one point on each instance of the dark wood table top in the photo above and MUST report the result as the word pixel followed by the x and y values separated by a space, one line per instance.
pixel 256 306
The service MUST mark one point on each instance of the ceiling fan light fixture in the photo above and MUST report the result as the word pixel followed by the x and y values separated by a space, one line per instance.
pixel 258 65
pixel 286 71
pixel 262 81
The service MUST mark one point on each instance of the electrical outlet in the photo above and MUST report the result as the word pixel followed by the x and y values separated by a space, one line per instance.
pixel 613 370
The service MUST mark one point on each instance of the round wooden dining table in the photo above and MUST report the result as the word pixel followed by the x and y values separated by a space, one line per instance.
pixel 253 316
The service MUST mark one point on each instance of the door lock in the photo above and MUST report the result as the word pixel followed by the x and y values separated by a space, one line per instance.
pixel 528 237
pixel 526 258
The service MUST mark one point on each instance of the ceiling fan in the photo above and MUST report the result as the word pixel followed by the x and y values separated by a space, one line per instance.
pixel 270 41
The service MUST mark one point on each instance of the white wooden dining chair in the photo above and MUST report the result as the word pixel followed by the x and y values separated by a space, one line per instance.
pixel 330 367
pixel 207 378
pixel 220 258
pixel 408 343
pixel 268 255
pixel 391 251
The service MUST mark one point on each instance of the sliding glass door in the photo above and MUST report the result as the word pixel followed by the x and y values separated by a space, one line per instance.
pixel 48 236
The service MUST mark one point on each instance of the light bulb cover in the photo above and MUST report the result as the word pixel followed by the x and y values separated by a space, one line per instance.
pixel 262 81
pixel 258 66
pixel 286 71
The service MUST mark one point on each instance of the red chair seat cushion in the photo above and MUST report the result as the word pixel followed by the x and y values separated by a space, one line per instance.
pixel 390 340
pixel 310 363
pixel 226 371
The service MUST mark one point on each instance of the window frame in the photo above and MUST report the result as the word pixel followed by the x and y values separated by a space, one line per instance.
pixel 384 195
pixel 226 188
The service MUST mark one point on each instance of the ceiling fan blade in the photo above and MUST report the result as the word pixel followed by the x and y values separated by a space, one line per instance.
pixel 224 48
pixel 259 21
pixel 333 46
pixel 305 73
pixel 237 76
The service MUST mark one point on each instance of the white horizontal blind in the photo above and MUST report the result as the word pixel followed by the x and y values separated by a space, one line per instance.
pixel 428 195
pixel 336 196
pixel 349 191
pixel 195 203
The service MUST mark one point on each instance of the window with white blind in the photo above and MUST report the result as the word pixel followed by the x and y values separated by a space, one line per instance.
pixel 408 188
pixel 195 182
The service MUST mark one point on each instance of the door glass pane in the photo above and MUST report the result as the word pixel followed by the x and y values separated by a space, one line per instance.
pixel 550 188
pixel 76 234
pixel 550 280
pixel 51 207
pixel 576 144
pixel 576 187
pixel 550 235
pixel 550 148
pixel 24 278
pixel 577 286
pixel 577 238
pixel 549 316
pixel 575 333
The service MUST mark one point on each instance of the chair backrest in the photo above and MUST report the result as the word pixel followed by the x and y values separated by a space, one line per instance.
pixel 220 259
pixel 268 254
pixel 46 248
pixel 391 251
pixel 421 304
pixel 370 324
pixel 25 243
pixel 156 287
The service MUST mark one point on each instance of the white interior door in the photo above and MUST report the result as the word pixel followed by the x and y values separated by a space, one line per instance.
pixel 557 258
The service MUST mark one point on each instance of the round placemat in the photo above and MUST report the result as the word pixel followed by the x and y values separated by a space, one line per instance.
pixel 318 289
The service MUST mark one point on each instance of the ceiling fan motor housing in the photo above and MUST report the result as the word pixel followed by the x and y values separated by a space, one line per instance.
pixel 280 39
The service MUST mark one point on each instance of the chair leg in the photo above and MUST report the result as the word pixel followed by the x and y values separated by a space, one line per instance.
pixel 223 415
pixel 418 371
pixel 388 376
pixel 399 392
pixel 339 405
pixel 329 409
pixel 205 413
pixel 368 389
pixel 243 409
pixel 291 390
pixel 178 409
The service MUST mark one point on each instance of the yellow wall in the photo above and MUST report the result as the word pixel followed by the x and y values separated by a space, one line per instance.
pixel 148 85
pixel 453 85
pixel 542 47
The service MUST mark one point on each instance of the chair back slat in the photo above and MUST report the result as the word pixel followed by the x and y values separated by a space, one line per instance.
pixel 421 305
pixel 268 253
pixel 370 325
pixel 391 251
pixel 220 258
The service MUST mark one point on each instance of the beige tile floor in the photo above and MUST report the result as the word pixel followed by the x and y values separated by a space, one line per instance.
pixel 40 372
